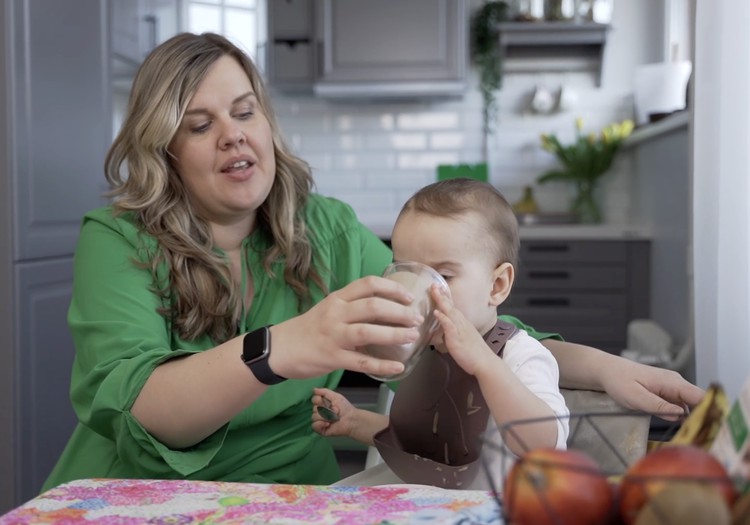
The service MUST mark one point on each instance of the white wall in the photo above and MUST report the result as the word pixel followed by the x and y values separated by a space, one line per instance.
pixel 721 193
pixel 374 156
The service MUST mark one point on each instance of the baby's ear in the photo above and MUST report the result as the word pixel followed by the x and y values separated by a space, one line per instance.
pixel 502 282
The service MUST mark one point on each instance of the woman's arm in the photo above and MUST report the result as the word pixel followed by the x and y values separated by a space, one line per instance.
pixel 633 385
pixel 324 339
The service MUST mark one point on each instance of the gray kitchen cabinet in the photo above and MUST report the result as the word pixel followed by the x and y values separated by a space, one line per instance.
pixel 138 26
pixel 55 123
pixel 587 291
pixel 292 46
pixel 338 48
pixel 553 47
pixel 44 414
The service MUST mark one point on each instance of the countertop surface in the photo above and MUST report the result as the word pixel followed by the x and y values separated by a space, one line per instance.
pixel 651 131
pixel 568 232
pixel 593 232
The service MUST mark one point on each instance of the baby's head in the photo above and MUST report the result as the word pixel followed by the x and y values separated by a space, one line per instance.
pixel 454 199
pixel 467 231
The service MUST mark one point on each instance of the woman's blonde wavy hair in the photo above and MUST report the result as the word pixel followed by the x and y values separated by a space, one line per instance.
pixel 199 296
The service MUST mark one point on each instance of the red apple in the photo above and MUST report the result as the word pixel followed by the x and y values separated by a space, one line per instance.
pixel 671 464
pixel 557 487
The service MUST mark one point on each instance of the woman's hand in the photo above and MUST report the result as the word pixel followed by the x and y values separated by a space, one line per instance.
pixel 650 389
pixel 353 422
pixel 633 385
pixel 371 310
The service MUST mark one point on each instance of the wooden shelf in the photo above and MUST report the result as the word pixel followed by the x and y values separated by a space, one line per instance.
pixel 553 46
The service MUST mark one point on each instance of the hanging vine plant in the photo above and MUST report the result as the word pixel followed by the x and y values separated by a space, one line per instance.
pixel 485 54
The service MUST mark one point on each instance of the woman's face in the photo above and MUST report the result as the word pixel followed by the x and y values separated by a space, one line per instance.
pixel 223 149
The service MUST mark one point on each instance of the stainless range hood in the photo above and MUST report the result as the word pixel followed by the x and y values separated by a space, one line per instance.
pixel 392 49
pixel 389 90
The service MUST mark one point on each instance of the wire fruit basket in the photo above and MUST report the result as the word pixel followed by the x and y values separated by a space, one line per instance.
pixel 604 479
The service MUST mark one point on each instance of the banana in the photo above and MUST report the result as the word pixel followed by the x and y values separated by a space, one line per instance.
pixel 703 423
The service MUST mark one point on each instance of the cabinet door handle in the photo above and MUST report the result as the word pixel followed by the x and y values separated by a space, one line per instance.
pixel 549 274
pixel 291 42
pixel 548 301
pixel 549 248
pixel 153 30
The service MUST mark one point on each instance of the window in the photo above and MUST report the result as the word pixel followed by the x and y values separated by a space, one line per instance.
pixel 678 37
pixel 242 21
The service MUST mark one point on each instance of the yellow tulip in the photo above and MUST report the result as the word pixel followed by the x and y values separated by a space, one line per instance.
pixel 547 143
pixel 579 124
pixel 626 128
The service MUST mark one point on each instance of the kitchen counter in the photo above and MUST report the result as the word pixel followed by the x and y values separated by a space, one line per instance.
pixel 569 232
pixel 648 132
pixel 587 232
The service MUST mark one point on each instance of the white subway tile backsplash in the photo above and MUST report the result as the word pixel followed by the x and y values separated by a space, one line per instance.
pixel 368 201
pixel 427 160
pixel 399 180
pixel 335 182
pixel 307 124
pixel 326 142
pixel 376 155
pixel 397 141
pixel 357 119
pixel 428 120
pixel 365 160
pixel 319 162
pixel 451 140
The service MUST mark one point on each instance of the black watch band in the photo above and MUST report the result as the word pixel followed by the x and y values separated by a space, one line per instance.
pixel 256 349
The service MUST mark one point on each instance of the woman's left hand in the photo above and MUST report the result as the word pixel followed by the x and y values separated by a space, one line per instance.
pixel 651 389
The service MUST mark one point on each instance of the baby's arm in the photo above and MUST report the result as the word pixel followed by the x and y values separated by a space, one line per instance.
pixel 356 423
pixel 507 396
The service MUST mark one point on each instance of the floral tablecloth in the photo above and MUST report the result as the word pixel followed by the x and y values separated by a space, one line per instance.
pixel 125 502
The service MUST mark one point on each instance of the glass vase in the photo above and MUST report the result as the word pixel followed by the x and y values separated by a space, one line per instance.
pixel 585 205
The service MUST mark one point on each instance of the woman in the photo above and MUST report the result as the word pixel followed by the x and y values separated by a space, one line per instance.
pixel 216 273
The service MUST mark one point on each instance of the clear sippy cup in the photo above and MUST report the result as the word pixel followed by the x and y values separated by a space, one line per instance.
pixel 418 279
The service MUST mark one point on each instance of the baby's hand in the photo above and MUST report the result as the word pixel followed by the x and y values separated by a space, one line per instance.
pixel 462 340
pixel 333 414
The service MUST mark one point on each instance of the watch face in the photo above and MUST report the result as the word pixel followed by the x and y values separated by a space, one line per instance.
pixel 255 345
pixel 256 348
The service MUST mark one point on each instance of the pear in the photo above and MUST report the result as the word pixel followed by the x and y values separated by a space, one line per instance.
pixel 682 502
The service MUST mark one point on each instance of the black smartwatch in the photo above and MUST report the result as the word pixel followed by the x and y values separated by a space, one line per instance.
pixel 256 349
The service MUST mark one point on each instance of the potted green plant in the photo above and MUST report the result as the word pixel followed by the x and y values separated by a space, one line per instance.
pixel 583 162
pixel 485 54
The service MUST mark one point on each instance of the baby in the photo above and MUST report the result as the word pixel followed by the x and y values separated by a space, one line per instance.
pixel 479 370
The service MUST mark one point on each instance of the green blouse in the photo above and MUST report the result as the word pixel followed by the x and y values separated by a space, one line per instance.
pixel 120 338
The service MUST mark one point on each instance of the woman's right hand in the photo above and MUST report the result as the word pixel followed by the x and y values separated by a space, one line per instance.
pixel 370 310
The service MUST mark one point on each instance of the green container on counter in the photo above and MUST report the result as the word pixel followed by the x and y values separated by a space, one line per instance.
pixel 469 171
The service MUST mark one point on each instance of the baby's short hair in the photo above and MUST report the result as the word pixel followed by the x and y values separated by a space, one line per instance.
pixel 453 197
